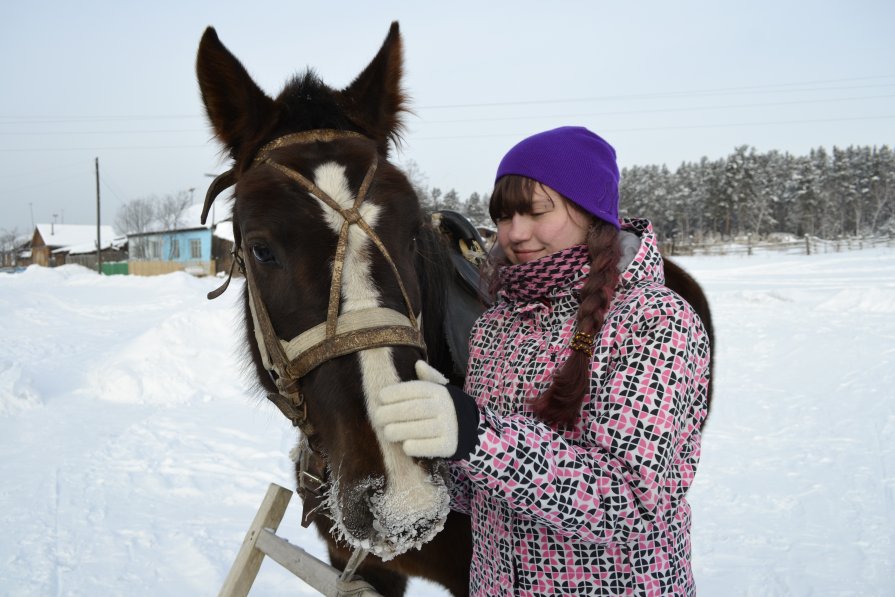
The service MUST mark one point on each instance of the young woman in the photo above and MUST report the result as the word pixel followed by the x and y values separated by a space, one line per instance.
pixel 577 436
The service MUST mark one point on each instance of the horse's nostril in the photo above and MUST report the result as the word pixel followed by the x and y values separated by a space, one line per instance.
pixel 355 509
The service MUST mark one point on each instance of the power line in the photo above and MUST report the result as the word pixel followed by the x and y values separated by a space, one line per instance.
pixel 108 148
pixel 33 119
pixel 765 88
pixel 497 119
pixel 673 127
pixel 168 132
pixel 656 110
pixel 425 138
pixel 677 94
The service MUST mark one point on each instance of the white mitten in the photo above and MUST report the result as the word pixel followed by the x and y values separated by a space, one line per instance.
pixel 421 415
pixel 426 372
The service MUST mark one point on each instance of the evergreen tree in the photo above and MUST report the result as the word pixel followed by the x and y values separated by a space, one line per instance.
pixel 881 195
pixel 451 201
pixel 476 210
pixel 436 196
pixel 848 191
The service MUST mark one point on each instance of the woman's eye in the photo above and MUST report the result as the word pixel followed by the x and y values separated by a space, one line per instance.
pixel 263 254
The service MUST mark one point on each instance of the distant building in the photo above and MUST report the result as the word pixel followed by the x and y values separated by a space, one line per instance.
pixel 51 243
pixel 198 250
pixel 153 253
pixel 114 255
pixel 15 252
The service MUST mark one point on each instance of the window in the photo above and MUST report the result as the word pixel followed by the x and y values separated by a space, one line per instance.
pixel 195 249
pixel 155 248
pixel 175 248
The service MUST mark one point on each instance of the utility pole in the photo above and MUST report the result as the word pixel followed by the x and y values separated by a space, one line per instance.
pixel 99 246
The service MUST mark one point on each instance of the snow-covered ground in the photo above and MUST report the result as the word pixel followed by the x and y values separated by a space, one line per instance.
pixel 133 454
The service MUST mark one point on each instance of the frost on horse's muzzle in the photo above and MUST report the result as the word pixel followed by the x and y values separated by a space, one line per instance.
pixel 389 519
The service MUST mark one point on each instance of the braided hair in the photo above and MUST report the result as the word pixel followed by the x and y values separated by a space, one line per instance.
pixel 559 405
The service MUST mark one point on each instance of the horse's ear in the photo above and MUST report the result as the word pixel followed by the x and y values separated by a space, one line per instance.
pixel 237 108
pixel 374 100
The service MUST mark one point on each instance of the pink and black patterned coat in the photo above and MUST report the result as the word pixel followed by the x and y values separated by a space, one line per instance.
pixel 598 508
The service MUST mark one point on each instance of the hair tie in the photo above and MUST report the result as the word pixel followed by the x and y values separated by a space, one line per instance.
pixel 583 342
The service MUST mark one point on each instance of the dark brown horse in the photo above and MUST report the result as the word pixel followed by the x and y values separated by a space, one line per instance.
pixel 331 236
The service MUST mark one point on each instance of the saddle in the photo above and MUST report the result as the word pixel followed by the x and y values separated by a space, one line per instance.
pixel 466 297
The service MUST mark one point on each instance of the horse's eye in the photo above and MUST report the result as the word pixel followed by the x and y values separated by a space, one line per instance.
pixel 263 254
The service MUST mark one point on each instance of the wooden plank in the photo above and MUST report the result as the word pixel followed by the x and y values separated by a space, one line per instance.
pixel 248 559
pixel 317 573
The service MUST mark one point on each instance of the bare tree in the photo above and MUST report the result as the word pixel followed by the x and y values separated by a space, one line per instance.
pixel 170 216
pixel 419 182
pixel 137 216
pixel 8 247
pixel 171 209
pixel 153 214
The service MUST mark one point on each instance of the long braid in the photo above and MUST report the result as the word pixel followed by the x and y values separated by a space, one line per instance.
pixel 560 404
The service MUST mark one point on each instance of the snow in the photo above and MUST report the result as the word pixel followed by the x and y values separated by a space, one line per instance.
pixel 224 230
pixel 134 452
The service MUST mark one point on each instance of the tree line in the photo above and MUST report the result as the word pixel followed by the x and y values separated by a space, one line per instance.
pixel 843 192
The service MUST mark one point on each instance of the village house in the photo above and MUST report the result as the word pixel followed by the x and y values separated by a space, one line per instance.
pixel 15 252
pixel 198 250
pixel 52 243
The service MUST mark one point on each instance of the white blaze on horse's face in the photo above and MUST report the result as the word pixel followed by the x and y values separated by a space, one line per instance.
pixel 410 496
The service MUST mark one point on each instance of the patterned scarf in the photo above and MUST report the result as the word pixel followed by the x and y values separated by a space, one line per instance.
pixel 544 277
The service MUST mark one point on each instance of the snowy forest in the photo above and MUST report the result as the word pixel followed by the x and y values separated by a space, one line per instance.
pixel 826 194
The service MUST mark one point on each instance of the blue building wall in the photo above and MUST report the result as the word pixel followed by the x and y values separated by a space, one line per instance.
pixel 184 239
pixel 151 254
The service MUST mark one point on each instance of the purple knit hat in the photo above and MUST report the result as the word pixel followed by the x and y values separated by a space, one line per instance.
pixel 572 161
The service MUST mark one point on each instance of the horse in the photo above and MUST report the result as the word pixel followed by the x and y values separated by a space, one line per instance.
pixel 348 283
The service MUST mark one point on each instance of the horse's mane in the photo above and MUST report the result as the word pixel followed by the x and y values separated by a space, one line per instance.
pixel 433 270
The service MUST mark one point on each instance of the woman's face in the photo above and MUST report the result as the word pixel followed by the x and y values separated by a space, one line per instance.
pixel 553 225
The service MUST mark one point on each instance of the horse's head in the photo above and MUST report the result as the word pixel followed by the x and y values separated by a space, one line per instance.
pixel 311 168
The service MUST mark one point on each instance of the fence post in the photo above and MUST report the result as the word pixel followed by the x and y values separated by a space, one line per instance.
pixel 807 245
pixel 248 559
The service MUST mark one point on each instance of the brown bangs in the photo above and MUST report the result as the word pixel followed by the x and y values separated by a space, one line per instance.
pixel 512 195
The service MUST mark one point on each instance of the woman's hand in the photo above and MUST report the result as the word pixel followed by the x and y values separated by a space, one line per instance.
pixel 422 416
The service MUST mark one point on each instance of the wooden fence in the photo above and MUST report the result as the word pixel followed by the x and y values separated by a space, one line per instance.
pixel 139 267
pixel 261 540
pixel 809 245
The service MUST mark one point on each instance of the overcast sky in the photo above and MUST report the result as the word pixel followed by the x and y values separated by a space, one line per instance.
pixel 665 82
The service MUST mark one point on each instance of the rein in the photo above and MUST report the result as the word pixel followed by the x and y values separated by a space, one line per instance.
pixel 288 361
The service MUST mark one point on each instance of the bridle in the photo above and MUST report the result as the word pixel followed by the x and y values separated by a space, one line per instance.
pixel 288 361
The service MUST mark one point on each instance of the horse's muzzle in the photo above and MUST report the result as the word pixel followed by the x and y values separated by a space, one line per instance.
pixel 388 519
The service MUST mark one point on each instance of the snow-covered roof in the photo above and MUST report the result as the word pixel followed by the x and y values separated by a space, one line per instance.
pixel 115 243
pixel 224 230
pixel 67 235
